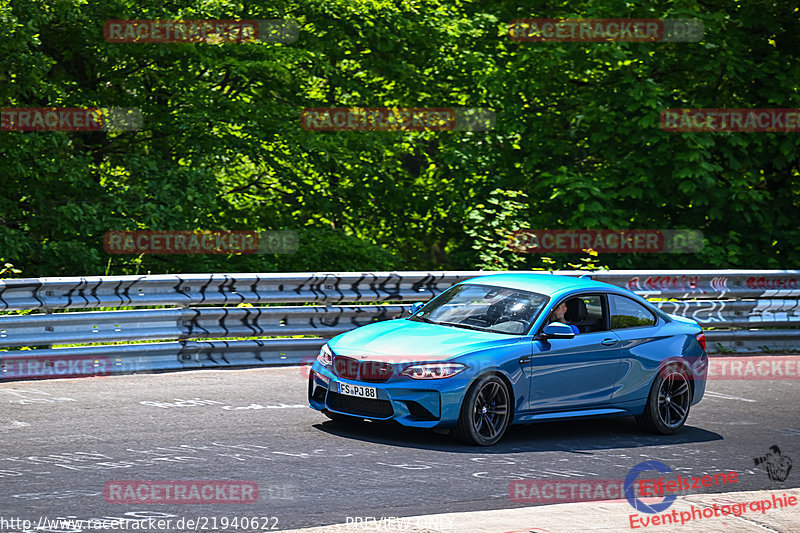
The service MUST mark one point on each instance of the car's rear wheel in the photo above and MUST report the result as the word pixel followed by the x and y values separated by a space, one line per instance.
pixel 485 412
pixel 668 404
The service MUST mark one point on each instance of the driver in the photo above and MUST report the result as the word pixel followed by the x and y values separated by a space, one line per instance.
pixel 558 316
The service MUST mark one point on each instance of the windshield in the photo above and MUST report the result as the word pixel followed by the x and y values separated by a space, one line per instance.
pixel 485 308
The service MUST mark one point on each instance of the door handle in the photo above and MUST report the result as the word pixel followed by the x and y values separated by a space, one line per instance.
pixel 609 342
pixel 524 360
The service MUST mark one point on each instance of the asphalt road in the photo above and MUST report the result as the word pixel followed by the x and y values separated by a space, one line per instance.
pixel 63 441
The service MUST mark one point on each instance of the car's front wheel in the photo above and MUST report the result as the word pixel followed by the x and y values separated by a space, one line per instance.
pixel 668 404
pixel 485 412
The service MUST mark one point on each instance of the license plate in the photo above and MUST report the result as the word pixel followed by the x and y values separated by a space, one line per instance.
pixel 357 390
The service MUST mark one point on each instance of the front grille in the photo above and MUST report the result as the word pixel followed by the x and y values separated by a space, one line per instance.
pixel 359 406
pixel 369 371
pixel 375 371
pixel 346 367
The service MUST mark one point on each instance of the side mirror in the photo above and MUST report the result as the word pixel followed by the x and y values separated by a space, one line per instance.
pixel 557 330
pixel 416 307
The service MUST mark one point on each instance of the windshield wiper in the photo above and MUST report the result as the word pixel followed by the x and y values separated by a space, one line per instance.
pixel 465 326
pixel 423 319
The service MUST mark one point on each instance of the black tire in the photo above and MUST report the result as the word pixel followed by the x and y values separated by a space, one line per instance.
pixel 485 412
pixel 668 403
pixel 342 419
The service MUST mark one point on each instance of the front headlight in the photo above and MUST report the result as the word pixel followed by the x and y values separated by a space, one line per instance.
pixel 433 370
pixel 325 356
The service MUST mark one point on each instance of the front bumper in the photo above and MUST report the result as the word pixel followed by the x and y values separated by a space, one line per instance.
pixel 414 403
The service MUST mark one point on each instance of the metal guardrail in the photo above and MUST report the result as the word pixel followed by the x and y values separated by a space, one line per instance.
pixel 239 332
pixel 224 289
pixel 183 324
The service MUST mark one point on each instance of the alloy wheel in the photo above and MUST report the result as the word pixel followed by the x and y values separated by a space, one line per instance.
pixel 674 399
pixel 491 410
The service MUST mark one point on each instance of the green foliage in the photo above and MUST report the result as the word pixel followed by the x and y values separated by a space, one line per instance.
pixel 491 226
pixel 576 144
pixel 8 270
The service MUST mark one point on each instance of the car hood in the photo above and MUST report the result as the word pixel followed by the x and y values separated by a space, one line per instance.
pixel 420 341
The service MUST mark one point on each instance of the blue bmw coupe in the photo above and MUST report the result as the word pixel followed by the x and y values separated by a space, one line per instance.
pixel 515 348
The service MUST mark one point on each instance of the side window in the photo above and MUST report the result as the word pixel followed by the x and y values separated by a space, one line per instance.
pixel 586 312
pixel 626 313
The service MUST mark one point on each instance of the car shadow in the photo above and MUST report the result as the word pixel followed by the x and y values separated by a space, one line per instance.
pixel 577 436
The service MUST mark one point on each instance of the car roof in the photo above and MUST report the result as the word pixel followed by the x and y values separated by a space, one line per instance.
pixel 548 284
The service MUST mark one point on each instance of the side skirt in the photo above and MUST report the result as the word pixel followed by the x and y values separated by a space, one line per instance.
pixel 573 414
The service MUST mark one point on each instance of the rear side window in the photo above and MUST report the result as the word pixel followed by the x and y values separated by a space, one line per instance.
pixel 626 313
